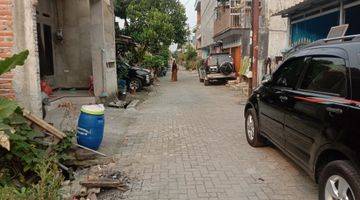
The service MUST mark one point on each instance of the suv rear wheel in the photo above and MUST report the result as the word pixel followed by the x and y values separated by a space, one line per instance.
pixel 339 180
pixel 135 84
pixel 206 82
pixel 252 129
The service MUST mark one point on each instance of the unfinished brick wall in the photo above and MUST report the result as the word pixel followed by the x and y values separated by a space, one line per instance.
pixel 6 45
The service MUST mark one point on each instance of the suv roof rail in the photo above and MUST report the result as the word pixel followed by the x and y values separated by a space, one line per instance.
pixel 344 38
pixel 336 39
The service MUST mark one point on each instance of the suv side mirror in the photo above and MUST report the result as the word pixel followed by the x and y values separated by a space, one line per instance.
pixel 267 78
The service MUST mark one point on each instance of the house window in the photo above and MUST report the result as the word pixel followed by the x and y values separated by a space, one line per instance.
pixel 352 18
pixel 313 29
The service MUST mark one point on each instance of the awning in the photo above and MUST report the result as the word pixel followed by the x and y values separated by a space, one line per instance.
pixel 302 6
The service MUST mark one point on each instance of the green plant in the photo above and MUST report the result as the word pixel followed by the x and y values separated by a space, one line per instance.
pixel 13 124
pixel 153 61
pixel 190 65
pixel 50 181
pixel 11 62
pixel 245 66
pixel 189 57
pixel 47 188
pixel 27 156
pixel 190 53
pixel 28 148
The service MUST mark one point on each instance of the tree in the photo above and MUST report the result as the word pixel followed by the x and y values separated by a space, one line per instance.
pixel 156 24
pixel 120 9
pixel 190 57
pixel 157 33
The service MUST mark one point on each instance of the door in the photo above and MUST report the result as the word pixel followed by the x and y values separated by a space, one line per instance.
pixel 317 108
pixel 236 55
pixel 272 98
pixel 45 50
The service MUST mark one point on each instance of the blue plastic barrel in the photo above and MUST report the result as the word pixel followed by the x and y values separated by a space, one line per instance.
pixel 91 124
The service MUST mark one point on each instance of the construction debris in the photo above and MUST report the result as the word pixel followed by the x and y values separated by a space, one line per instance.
pixel 100 172
pixel 90 182
pixel 43 124
pixel 4 140
pixel 133 103
pixel 118 104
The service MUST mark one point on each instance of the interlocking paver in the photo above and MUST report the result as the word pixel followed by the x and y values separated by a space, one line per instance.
pixel 188 142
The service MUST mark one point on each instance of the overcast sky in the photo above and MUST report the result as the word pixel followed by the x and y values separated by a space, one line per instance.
pixel 190 12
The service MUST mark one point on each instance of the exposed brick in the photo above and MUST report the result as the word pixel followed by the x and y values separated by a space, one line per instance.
pixel 6 44
pixel 8 75
pixel 5 81
pixel 4 55
pixel 9 34
pixel 6 85
pixel 5 12
pixel 6 2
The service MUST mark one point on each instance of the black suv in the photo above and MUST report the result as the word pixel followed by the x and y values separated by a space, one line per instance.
pixel 135 77
pixel 309 109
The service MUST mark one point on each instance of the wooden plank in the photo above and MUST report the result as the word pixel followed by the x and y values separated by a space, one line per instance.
pixel 43 124
pixel 103 184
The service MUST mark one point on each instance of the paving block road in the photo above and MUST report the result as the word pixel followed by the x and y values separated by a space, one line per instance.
pixel 188 142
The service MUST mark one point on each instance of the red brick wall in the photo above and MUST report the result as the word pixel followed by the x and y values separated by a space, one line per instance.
pixel 6 45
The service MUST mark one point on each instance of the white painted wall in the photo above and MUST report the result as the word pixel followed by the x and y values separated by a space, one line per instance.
pixel 278 26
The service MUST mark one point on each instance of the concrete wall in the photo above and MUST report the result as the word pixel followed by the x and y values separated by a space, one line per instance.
pixel 207 22
pixel 277 26
pixel 85 24
pixel 73 65
pixel 273 32
pixel 26 81
pixel 72 55
pixel 103 47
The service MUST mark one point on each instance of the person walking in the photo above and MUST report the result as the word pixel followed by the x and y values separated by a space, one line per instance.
pixel 174 71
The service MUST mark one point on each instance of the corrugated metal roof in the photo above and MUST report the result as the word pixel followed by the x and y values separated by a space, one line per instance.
pixel 303 6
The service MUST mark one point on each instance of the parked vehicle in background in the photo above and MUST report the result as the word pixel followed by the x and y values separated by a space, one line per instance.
pixel 163 71
pixel 217 67
pixel 136 77
pixel 310 109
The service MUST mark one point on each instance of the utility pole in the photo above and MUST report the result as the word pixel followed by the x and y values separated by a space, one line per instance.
pixel 255 44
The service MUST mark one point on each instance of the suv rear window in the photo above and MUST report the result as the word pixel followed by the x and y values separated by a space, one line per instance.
pixel 326 75
pixel 215 60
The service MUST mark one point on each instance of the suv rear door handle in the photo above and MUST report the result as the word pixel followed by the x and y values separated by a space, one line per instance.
pixel 336 111
pixel 283 98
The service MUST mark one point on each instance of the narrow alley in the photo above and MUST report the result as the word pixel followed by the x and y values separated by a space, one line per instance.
pixel 188 142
